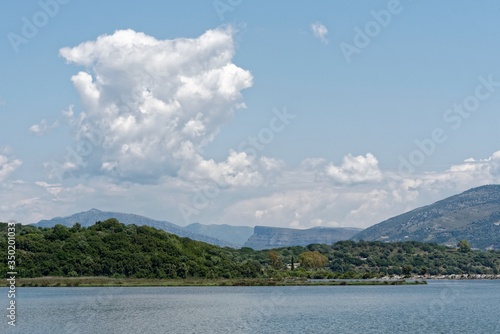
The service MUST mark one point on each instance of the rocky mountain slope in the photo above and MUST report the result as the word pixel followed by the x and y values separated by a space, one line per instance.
pixel 473 215
pixel 273 237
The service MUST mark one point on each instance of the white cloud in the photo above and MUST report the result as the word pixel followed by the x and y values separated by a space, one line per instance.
pixel 320 32
pixel 7 166
pixel 271 164
pixel 28 202
pixel 304 197
pixel 238 170
pixel 43 127
pixel 53 189
pixel 159 102
pixel 355 169
pixel 297 208
pixel 151 106
pixel 482 168
pixel 297 198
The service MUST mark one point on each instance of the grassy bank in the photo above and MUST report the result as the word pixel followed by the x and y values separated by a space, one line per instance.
pixel 135 282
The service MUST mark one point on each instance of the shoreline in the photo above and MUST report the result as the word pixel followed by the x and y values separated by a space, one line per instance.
pixel 145 282
pixel 451 277
pixel 52 281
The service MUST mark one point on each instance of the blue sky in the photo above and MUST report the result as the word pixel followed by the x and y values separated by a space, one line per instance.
pixel 246 112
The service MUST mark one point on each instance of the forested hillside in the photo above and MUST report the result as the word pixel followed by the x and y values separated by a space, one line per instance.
pixel 112 249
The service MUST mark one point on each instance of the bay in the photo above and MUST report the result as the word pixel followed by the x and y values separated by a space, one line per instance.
pixel 439 307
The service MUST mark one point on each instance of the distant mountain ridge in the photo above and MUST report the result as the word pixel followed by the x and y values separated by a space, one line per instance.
pixel 236 235
pixel 274 237
pixel 473 215
pixel 92 216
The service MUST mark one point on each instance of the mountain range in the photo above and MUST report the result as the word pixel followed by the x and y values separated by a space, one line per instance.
pixel 92 216
pixel 236 235
pixel 473 215
pixel 265 237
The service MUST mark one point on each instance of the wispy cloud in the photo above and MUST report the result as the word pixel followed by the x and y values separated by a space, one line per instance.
pixel 43 127
pixel 320 32
pixel 7 166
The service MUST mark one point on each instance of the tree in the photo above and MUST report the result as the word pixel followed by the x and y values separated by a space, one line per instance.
pixel 274 259
pixel 407 269
pixel 463 246
pixel 60 232
pixel 313 260
pixel 76 227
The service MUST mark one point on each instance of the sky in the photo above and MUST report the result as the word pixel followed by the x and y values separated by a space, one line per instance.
pixel 283 113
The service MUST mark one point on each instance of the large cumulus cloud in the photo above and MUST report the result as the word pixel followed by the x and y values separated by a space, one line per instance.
pixel 157 103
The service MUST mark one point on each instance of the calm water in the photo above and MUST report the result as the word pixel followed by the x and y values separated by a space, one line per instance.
pixel 439 307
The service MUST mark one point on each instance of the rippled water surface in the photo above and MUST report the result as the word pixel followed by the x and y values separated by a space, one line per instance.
pixel 439 307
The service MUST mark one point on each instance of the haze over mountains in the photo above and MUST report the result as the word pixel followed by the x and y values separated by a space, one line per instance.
pixel 274 237
pixel 236 235
pixel 473 215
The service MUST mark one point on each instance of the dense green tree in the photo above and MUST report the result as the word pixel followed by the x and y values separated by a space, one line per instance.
pixel 463 246
pixel 407 270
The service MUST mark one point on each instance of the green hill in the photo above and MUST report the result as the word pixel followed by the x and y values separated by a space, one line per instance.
pixel 113 249
pixel 110 248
